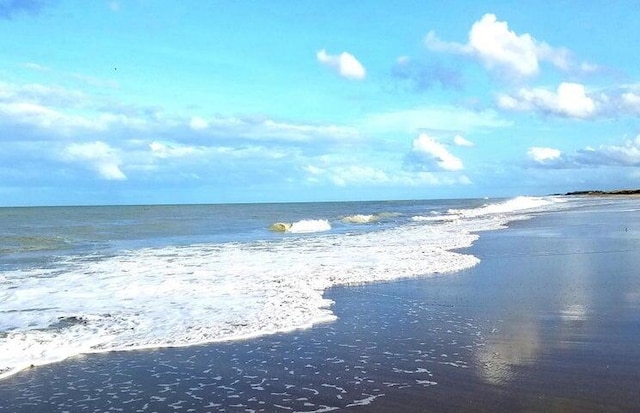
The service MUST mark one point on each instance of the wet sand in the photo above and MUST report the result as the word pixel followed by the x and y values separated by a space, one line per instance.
pixel 549 321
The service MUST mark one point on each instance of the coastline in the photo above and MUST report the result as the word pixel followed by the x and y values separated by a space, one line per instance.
pixel 545 322
pixel 616 193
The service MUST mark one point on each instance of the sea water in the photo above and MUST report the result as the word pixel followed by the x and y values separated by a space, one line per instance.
pixel 77 280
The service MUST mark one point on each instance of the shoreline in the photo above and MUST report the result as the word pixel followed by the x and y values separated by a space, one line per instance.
pixel 617 192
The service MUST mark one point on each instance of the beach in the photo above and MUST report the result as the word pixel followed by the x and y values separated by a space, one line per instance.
pixel 547 321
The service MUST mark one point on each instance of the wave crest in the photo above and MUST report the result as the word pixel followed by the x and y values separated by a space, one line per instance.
pixel 303 226
pixel 511 205
pixel 360 219
pixel 368 219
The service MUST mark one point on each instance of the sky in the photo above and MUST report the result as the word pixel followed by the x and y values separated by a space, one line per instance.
pixel 153 101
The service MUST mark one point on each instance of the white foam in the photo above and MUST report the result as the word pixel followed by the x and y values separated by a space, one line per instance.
pixel 521 203
pixel 434 218
pixel 178 296
pixel 310 225
pixel 368 218
pixel 303 226
pixel 360 219
pixel 366 401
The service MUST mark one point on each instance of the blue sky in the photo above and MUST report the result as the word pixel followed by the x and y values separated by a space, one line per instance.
pixel 140 101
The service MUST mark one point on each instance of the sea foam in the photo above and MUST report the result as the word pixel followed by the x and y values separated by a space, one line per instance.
pixel 509 206
pixel 303 226
pixel 369 218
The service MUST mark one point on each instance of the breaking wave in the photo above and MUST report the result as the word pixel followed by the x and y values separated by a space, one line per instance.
pixel 520 203
pixel 302 227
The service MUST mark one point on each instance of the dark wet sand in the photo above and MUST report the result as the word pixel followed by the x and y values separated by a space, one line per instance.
pixel 548 322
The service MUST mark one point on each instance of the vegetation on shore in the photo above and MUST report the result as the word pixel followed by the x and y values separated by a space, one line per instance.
pixel 604 193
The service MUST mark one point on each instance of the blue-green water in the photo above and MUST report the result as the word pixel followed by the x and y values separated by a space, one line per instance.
pixel 46 232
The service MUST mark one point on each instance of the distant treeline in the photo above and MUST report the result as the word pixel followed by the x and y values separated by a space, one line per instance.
pixel 614 192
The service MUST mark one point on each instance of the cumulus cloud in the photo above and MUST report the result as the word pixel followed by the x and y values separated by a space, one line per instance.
pixel 569 100
pixel 428 153
pixel 500 49
pixel 421 77
pixel 345 64
pixel 98 156
pixel 544 156
pixel 10 8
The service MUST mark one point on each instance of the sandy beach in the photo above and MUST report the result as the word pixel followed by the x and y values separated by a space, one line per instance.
pixel 547 322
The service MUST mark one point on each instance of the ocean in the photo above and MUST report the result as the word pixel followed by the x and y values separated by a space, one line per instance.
pixel 79 280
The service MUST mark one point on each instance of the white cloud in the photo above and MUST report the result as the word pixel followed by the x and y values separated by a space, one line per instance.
pixel 345 64
pixel 98 156
pixel 631 102
pixel 459 140
pixel 570 100
pixel 37 94
pixel 198 123
pixel 497 46
pixel 58 110
pixel 500 49
pixel 429 151
pixel 44 117
pixel 543 155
